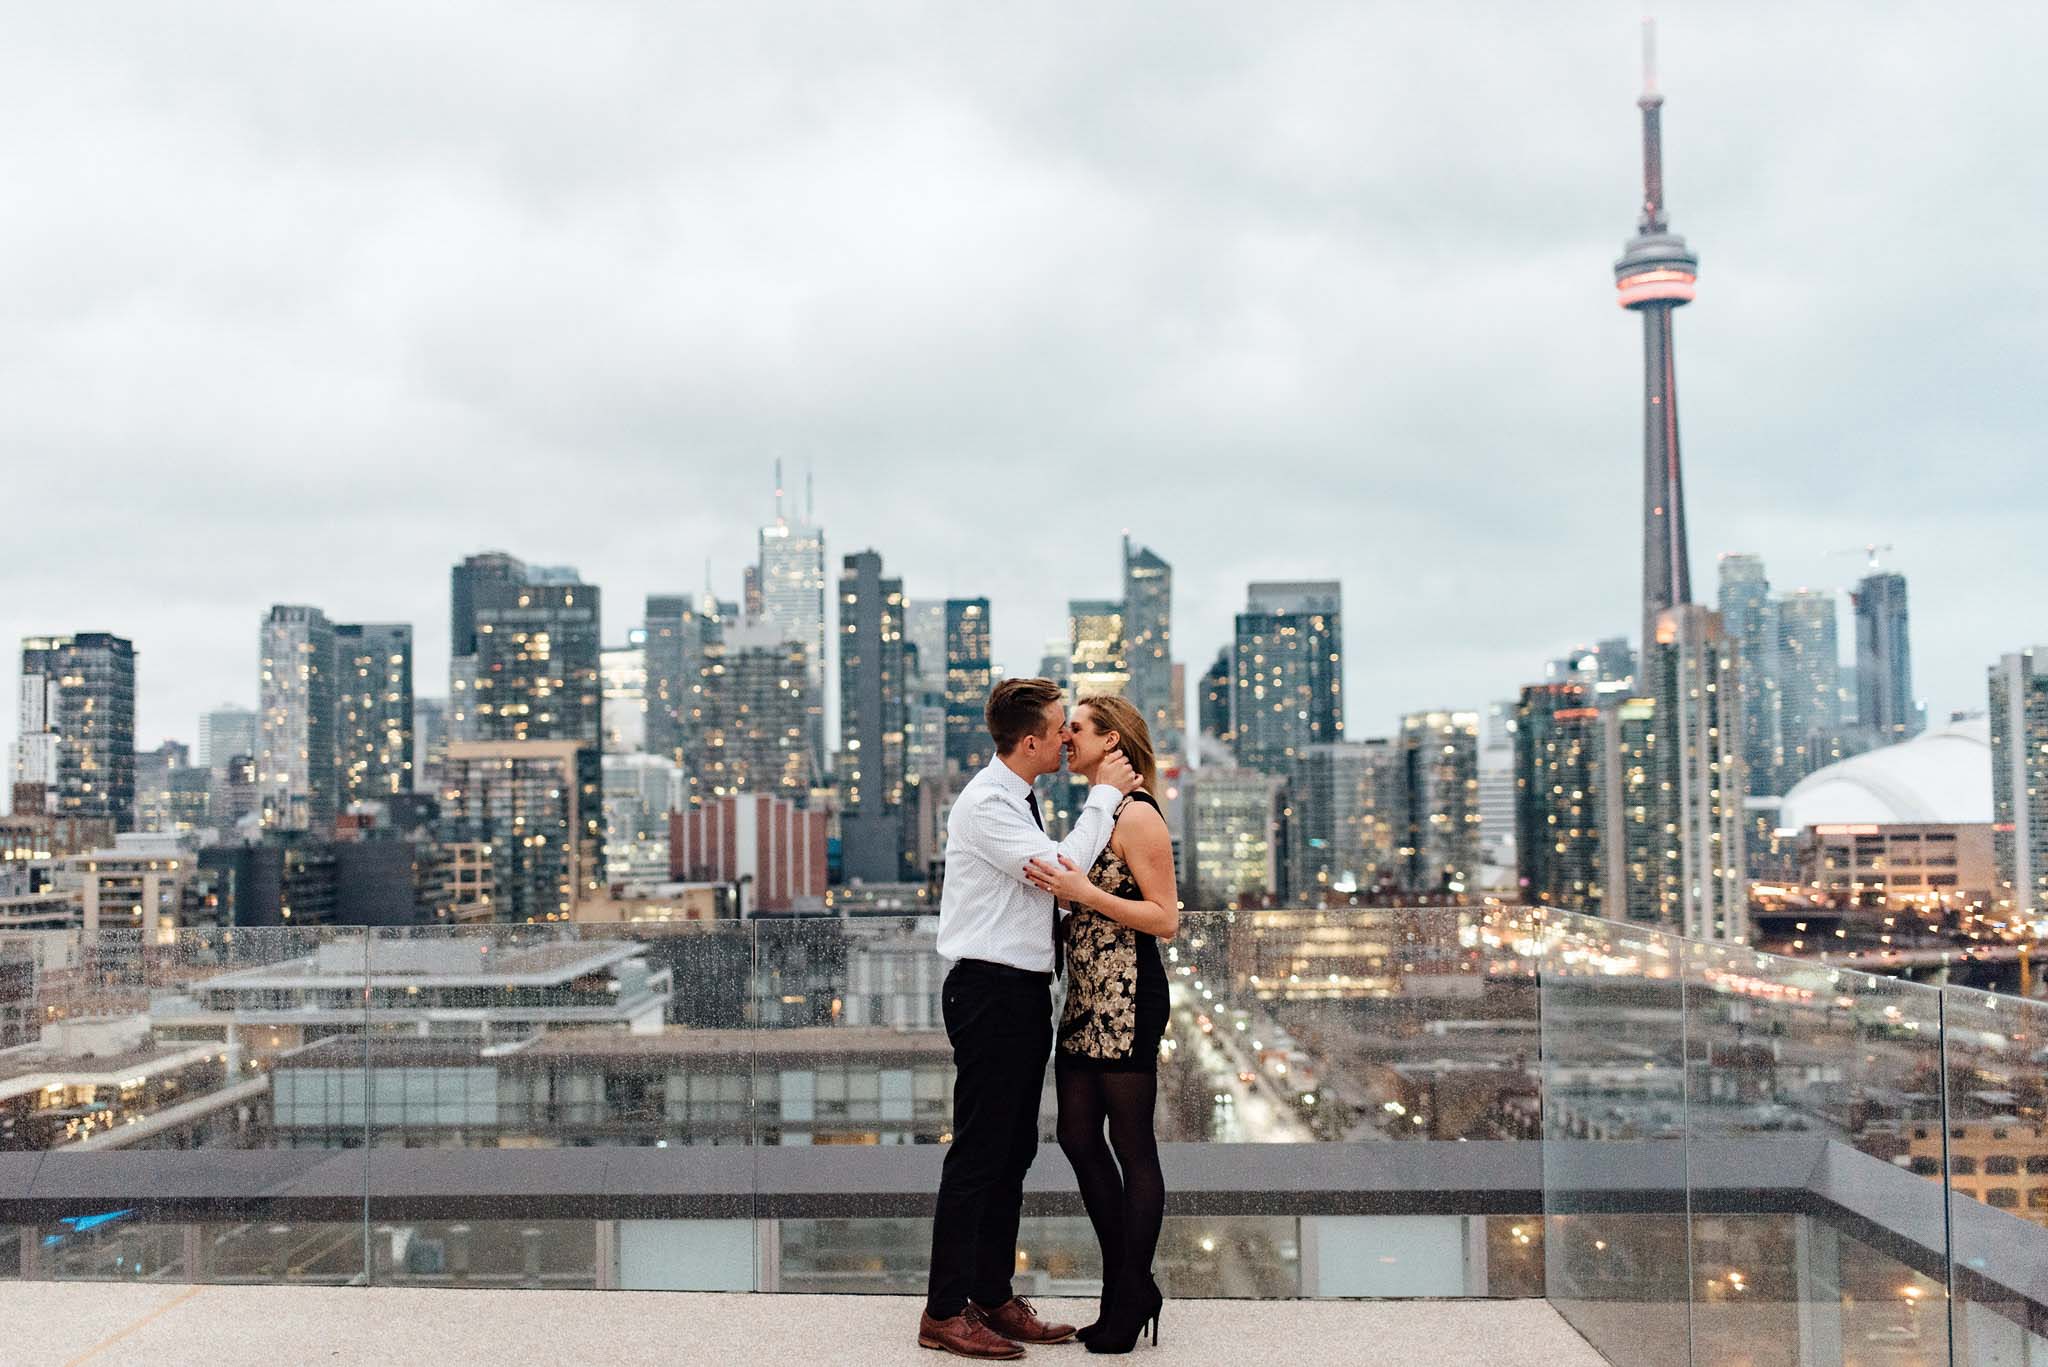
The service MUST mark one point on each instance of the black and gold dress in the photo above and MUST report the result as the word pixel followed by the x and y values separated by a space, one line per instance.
pixel 1116 985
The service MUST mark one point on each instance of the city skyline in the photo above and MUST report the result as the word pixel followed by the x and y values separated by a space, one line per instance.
pixel 1319 352
pixel 188 730
pixel 572 473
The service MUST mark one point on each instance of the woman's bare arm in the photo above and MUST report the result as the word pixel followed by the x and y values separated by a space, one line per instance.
pixel 1141 840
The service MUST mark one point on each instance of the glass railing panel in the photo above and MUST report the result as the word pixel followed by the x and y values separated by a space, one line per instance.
pixel 1401 1025
pixel 1228 1106
pixel 1403 1044
pixel 1288 1173
pixel 557 1106
pixel 1996 1077
pixel 1807 1089
pixel 1614 1173
pixel 141 1132
pixel 686 1204
pixel 855 1061
pixel 854 1101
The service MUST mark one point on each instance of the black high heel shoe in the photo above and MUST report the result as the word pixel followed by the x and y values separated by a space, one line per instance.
pixel 1105 1310
pixel 1118 1332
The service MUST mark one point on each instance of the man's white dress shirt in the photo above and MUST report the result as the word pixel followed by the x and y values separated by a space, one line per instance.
pixel 987 909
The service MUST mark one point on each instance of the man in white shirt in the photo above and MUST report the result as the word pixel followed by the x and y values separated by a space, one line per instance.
pixel 999 931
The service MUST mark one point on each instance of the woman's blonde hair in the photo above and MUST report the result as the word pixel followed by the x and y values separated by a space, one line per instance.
pixel 1113 713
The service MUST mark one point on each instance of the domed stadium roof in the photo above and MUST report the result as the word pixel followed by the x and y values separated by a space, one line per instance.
pixel 1939 777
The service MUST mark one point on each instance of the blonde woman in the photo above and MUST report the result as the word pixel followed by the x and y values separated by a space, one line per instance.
pixel 1106 1061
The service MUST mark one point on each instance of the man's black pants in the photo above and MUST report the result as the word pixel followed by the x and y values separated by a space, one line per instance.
pixel 999 1020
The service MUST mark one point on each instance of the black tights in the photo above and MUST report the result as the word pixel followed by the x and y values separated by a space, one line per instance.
pixel 1125 1195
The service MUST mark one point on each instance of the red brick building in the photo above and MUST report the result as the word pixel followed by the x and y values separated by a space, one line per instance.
pixel 771 841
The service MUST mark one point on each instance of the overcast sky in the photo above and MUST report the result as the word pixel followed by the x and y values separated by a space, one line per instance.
pixel 303 303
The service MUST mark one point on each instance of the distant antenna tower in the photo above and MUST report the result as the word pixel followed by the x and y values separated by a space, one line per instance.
pixel 778 491
pixel 810 501
pixel 1655 276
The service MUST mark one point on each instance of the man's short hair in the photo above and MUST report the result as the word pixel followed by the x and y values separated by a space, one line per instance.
pixel 1016 709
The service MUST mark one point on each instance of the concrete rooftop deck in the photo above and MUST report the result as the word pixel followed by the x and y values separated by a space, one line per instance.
pixel 101 1324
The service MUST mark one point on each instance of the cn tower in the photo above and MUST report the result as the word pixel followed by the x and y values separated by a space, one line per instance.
pixel 1654 276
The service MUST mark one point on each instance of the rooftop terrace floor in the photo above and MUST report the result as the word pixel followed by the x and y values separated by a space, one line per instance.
pixel 100 1324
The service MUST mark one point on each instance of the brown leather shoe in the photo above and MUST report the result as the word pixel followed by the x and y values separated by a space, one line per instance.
pixel 965 1335
pixel 1015 1319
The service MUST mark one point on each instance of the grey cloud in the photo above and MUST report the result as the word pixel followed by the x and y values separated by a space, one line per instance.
pixel 306 303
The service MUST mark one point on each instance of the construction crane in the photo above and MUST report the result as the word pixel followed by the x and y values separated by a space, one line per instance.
pixel 1868 550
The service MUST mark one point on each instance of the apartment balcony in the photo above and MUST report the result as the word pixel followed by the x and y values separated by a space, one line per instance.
pixel 1438 1135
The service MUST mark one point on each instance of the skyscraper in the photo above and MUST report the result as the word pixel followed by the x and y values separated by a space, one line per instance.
pixel 225 732
pixel 191 801
pixel 373 721
pixel 750 591
pixel 873 720
pixel 1098 648
pixel 2019 781
pixel 74 754
pixel 1148 634
pixel 1884 660
pixel 157 772
pixel 792 587
pixel 1611 661
pixel 461 716
pixel 924 743
pixel 924 690
pixel 1177 705
pixel 1350 820
pixel 1634 846
pixel 754 736
pixel 1654 276
pixel 1288 672
pixel 624 672
pixel 1703 892
pixel 535 714
pixel 1212 704
pixel 537 659
pixel 969 676
pixel 924 631
pixel 1809 700
pixel 1440 781
pixel 1589 807
pixel 533 812
pixel 1057 661
pixel 640 791
pixel 1750 619
pixel 1558 752
pixel 235 798
pixel 487 567
pixel 1230 844
pixel 429 744
pixel 297 786
pixel 1497 794
pixel 677 636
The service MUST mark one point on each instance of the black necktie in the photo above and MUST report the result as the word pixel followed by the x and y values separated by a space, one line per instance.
pixel 1031 801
